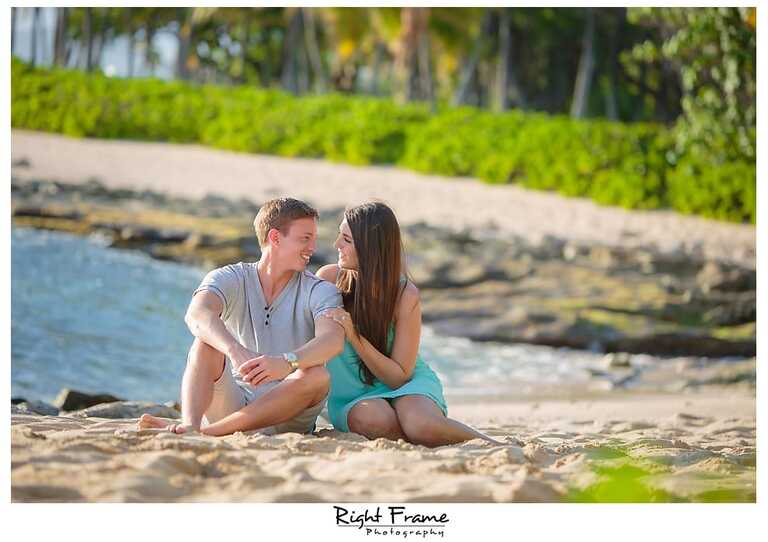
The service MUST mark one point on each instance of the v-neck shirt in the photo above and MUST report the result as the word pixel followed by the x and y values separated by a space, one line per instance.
pixel 285 325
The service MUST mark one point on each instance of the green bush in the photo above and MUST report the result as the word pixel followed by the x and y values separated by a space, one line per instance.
pixel 631 165
pixel 723 191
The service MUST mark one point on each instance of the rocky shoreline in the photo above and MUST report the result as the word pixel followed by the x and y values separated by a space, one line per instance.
pixel 473 284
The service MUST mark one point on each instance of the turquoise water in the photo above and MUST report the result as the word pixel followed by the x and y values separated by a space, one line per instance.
pixel 96 319
pixel 87 317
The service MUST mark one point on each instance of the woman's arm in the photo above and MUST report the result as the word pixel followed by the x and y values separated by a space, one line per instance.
pixel 396 370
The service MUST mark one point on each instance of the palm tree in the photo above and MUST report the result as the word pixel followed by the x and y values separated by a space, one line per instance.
pixel 14 14
pixel 88 35
pixel 34 33
pixel 586 67
pixel 60 37
pixel 412 59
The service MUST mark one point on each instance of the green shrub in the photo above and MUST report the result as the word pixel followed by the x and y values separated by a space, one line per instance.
pixel 631 165
pixel 724 191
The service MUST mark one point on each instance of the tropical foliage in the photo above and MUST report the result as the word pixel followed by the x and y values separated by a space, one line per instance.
pixel 633 165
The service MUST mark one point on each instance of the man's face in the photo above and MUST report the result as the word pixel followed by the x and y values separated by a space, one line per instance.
pixel 298 244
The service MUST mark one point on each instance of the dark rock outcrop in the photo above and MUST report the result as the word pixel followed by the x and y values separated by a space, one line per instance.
pixel 68 399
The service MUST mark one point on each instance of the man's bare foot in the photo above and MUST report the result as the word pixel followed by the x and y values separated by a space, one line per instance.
pixel 147 421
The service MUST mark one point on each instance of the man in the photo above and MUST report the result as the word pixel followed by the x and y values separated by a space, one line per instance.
pixel 260 340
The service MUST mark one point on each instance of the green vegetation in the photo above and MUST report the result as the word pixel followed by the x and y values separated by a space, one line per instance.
pixel 632 165
pixel 622 479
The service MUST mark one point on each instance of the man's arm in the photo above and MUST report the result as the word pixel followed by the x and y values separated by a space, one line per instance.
pixel 327 343
pixel 204 321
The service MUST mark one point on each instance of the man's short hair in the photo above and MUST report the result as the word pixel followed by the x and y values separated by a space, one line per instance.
pixel 278 213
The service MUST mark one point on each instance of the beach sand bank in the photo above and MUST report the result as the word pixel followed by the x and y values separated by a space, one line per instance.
pixel 698 446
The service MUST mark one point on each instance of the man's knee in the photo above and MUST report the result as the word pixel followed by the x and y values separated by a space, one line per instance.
pixel 204 356
pixel 315 381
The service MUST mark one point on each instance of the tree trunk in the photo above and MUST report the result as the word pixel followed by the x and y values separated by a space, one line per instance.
pixel 33 35
pixel 412 58
pixel 302 60
pixel 131 34
pixel 60 37
pixel 185 41
pixel 504 61
pixel 611 105
pixel 426 91
pixel 265 68
pixel 586 68
pixel 378 57
pixel 313 50
pixel 470 68
pixel 244 44
pixel 88 37
pixel 14 15
pixel 508 89
pixel 149 38
pixel 102 40
pixel 289 77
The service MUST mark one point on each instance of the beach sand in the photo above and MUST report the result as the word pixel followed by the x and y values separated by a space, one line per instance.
pixel 697 446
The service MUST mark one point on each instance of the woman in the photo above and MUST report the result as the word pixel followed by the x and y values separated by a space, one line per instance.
pixel 380 386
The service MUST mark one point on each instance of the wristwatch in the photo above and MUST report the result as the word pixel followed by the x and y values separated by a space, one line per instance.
pixel 292 360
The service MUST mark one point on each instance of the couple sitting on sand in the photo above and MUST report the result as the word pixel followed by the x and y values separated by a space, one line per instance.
pixel 273 341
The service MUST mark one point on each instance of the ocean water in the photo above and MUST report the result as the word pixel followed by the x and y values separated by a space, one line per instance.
pixel 96 319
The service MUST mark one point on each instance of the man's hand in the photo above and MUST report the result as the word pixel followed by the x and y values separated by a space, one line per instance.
pixel 264 369
pixel 240 355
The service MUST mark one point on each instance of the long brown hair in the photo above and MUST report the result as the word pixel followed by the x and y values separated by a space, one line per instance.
pixel 370 294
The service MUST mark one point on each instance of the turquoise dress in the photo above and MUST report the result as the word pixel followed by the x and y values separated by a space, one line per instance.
pixel 347 389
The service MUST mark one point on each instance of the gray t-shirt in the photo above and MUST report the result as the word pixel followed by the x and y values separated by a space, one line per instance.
pixel 284 326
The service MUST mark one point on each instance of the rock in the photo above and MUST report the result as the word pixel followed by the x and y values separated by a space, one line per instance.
pixel 143 234
pixel 198 240
pixel 715 276
pixel 175 405
pixel 36 407
pixel 76 400
pixel 38 212
pixel 617 360
pixel 742 310
pixel 17 400
pixel 549 248
pixel 682 344
pixel 573 252
pixel 126 409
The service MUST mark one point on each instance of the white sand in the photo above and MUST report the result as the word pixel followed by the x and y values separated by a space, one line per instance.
pixel 691 444
pixel 194 171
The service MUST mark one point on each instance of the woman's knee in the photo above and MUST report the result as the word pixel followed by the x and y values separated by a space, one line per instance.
pixel 374 419
pixel 419 428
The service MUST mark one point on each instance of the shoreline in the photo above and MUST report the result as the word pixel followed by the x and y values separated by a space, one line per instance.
pixel 195 171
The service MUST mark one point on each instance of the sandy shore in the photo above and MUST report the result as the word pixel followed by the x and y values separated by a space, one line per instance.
pixel 690 447
pixel 194 171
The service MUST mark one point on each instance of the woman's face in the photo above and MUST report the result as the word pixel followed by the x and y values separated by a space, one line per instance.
pixel 346 248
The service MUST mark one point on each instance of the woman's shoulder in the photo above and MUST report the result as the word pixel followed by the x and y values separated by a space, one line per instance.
pixel 328 272
pixel 409 297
